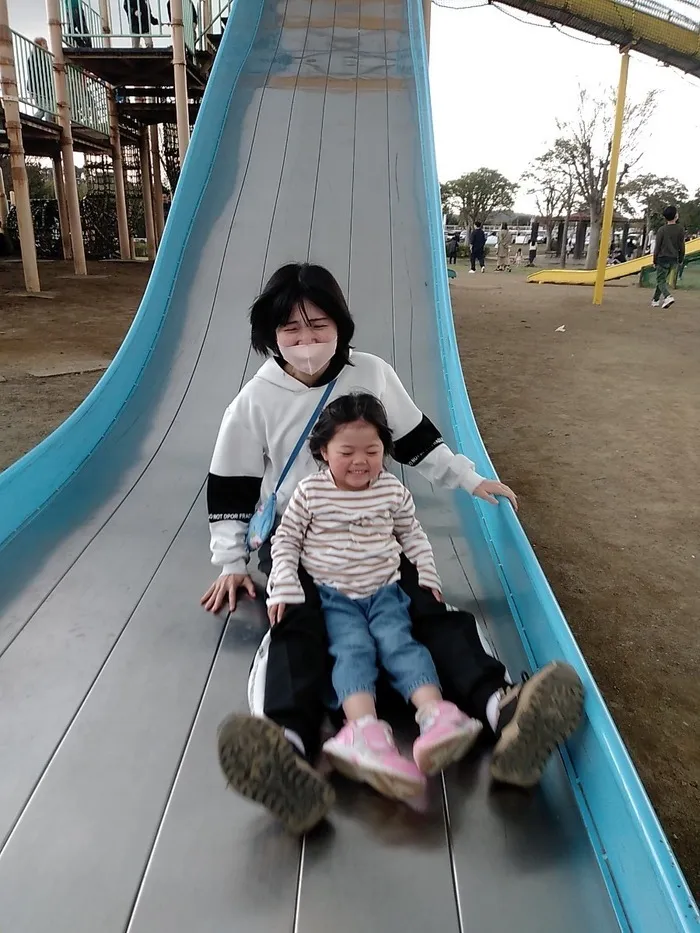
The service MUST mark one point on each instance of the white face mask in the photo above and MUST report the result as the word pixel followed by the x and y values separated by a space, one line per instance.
pixel 309 358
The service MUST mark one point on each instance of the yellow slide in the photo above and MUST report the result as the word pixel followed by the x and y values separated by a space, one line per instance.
pixel 587 276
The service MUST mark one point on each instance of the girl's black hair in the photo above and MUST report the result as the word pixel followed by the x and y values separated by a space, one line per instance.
pixel 292 285
pixel 360 406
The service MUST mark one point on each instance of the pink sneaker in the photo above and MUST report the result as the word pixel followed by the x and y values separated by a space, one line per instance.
pixel 366 751
pixel 446 735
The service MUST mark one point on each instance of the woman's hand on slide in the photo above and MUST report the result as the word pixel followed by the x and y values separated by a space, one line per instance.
pixel 488 489
pixel 275 613
pixel 225 589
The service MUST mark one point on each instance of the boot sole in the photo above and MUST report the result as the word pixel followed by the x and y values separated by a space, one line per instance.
pixel 432 761
pixel 549 709
pixel 395 786
pixel 261 764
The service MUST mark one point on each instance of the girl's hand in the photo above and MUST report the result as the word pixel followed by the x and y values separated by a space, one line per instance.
pixel 438 596
pixel 488 489
pixel 225 589
pixel 275 613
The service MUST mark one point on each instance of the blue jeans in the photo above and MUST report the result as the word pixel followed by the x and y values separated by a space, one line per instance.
pixel 377 628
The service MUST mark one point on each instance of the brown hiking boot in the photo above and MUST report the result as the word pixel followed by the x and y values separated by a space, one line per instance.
pixel 534 717
pixel 261 764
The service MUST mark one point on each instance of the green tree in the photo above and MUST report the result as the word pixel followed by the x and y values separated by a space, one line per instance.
pixel 647 195
pixel 480 193
pixel 690 214
pixel 40 178
pixel 447 204
pixel 586 143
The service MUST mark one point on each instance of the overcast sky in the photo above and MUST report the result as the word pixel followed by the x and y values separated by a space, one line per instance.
pixel 489 110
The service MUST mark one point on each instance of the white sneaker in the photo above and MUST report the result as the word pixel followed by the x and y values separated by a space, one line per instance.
pixel 472 272
pixel 656 304
pixel 483 268
pixel 668 301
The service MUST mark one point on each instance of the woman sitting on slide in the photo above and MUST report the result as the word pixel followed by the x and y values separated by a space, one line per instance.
pixel 301 322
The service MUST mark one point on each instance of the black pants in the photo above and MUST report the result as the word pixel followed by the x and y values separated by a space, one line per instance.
pixel 452 258
pixel 299 665
pixel 477 256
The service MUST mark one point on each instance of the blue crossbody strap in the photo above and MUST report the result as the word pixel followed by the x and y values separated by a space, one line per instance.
pixel 304 434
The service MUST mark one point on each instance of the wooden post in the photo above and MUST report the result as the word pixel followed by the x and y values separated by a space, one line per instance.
pixel 147 194
pixel 63 219
pixel 159 214
pixel 18 168
pixel 119 187
pixel 64 118
pixel 106 23
pixel 4 203
pixel 180 68
pixel 609 211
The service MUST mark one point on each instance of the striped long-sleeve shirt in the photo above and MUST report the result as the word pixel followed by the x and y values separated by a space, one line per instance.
pixel 351 541
pixel 263 423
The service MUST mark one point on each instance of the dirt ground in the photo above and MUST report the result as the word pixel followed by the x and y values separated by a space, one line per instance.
pixel 596 428
pixel 80 327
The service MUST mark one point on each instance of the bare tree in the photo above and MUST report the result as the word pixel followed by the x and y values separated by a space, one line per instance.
pixel 549 186
pixel 567 185
pixel 478 194
pixel 585 145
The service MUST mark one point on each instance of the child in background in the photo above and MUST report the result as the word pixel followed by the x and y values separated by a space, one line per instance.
pixel 348 525
pixel 518 257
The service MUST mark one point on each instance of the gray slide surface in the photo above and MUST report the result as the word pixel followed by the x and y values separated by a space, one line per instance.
pixel 113 813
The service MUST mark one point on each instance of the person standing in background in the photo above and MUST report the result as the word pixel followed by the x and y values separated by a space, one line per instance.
pixel 140 21
pixel 477 242
pixel 453 248
pixel 503 247
pixel 532 253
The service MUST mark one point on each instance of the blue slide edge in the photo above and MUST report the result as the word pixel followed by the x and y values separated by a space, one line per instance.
pixel 647 887
pixel 30 483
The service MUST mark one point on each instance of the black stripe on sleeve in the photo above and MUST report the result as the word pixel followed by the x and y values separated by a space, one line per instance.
pixel 232 498
pixel 415 446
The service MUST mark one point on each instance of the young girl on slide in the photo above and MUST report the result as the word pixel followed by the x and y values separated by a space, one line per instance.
pixel 302 324
pixel 348 525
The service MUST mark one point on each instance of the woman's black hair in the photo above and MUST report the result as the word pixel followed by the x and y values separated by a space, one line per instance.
pixel 292 285
pixel 359 406
pixel 504 225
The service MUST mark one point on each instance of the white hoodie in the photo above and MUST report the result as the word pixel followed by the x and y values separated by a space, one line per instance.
pixel 262 425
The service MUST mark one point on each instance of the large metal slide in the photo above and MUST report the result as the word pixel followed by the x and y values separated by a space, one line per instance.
pixel 314 139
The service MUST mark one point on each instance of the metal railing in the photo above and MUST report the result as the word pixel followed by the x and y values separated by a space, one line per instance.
pixel 82 25
pixel 94 23
pixel 88 99
pixel 662 12
pixel 35 88
pixel 213 20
